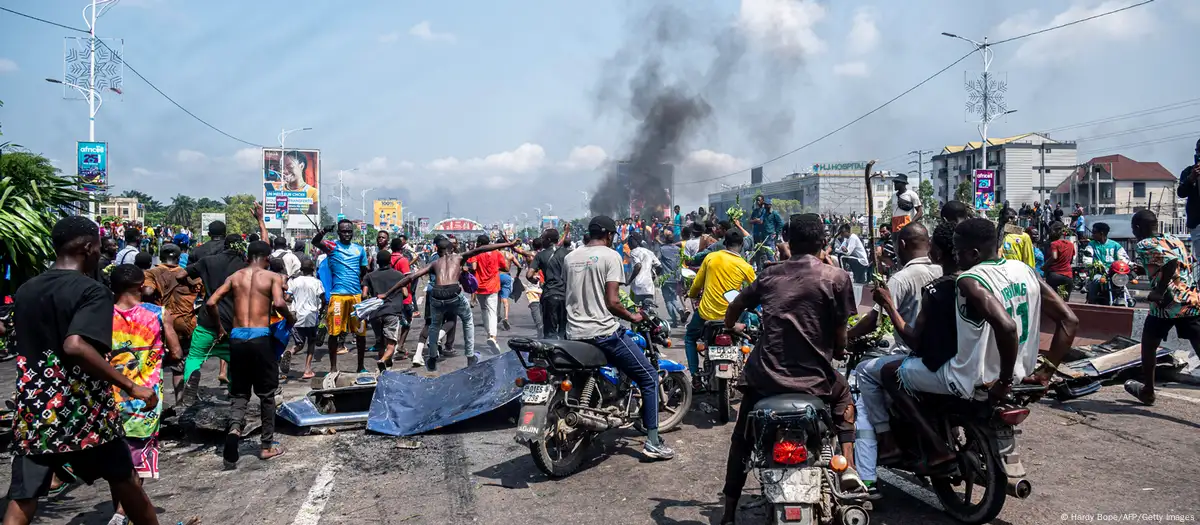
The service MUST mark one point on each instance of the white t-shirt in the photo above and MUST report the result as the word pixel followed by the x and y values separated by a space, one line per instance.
pixel 853 248
pixel 643 282
pixel 909 196
pixel 691 247
pixel 307 292
pixel 291 263
pixel 977 363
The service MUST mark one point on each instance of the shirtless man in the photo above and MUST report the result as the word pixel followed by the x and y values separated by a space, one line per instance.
pixel 252 361
pixel 447 297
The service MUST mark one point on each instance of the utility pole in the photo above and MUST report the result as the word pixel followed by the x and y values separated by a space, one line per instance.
pixel 341 189
pixel 920 162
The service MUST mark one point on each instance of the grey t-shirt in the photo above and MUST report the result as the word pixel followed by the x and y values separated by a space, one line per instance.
pixel 906 285
pixel 588 269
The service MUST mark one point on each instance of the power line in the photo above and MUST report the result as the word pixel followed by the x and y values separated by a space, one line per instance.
pixel 1148 127
pixel 909 90
pixel 135 72
pixel 1080 21
pixel 1145 143
pixel 1139 113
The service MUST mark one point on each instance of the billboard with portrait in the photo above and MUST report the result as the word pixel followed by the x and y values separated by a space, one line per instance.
pixel 291 188
pixel 387 213
pixel 92 165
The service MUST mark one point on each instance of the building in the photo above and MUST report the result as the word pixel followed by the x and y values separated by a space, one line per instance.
pixel 822 192
pixel 1116 184
pixel 1028 167
pixel 125 208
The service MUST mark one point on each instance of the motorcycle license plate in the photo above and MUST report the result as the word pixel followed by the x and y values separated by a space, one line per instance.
pixel 535 394
pixel 723 353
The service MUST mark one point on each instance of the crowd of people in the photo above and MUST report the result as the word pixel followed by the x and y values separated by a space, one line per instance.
pixel 101 328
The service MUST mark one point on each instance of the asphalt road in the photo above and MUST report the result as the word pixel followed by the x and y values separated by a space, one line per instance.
pixel 1087 459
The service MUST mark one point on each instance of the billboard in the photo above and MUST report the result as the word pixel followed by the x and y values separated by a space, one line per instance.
pixel 93 165
pixel 207 219
pixel 388 213
pixel 422 225
pixel 549 221
pixel 291 192
pixel 458 225
pixel 985 189
pixel 840 168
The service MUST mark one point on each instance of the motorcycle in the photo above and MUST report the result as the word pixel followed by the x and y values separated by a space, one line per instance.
pixel 794 458
pixel 570 395
pixel 1114 285
pixel 722 355
pixel 983 437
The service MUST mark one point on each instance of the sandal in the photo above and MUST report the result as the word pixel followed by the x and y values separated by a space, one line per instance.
pixel 308 375
pixel 274 451
pixel 1138 390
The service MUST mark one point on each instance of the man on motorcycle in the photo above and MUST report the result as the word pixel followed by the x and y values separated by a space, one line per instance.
pixel 594 277
pixel 917 270
pixel 999 310
pixel 1100 253
pixel 721 272
pixel 805 305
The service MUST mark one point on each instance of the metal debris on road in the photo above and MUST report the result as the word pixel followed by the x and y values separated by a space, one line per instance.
pixel 408 444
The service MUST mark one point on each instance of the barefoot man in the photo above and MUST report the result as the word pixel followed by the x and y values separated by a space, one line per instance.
pixel 447 297
pixel 253 364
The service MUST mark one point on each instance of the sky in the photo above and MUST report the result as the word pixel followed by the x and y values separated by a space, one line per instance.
pixel 496 110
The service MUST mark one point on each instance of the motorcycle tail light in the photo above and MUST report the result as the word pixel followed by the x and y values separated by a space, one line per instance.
pixel 1014 416
pixel 788 452
pixel 537 375
pixel 723 340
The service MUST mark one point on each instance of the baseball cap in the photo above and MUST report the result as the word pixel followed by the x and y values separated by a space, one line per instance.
pixel 602 224
pixel 180 239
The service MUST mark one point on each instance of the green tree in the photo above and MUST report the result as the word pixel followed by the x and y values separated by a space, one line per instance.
pixel 151 204
pixel 180 211
pixel 964 194
pixel 32 198
pixel 787 207
pixel 239 214
pixel 928 200
pixel 207 204
pixel 326 218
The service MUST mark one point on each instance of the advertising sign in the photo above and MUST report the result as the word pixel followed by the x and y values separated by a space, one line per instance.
pixel 297 179
pixel 93 165
pixel 840 168
pixel 458 225
pixel 549 221
pixel 985 189
pixel 207 219
pixel 388 212
pixel 422 225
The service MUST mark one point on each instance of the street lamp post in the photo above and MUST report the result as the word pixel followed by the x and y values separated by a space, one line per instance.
pixel 341 187
pixel 988 107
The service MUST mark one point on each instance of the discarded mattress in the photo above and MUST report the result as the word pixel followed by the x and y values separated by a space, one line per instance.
pixel 406 405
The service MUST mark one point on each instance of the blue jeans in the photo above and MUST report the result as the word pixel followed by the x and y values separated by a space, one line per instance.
pixel 625 355
pixel 456 306
pixel 670 292
pixel 691 334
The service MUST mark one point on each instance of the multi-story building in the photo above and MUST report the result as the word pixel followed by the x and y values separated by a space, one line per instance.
pixel 842 194
pixel 1028 167
pixel 1116 184
pixel 126 208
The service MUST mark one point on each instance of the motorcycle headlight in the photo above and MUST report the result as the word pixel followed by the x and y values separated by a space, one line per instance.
pixel 1120 280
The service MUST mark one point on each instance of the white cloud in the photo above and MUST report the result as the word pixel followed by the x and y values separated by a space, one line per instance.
pixel 389 38
pixel 864 35
pixel 713 163
pixel 375 164
pixel 783 26
pixel 424 31
pixel 852 69
pixel 585 158
pixel 525 158
pixel 187 156
pixel 7 65
pixel 248 158
pixel 1068 42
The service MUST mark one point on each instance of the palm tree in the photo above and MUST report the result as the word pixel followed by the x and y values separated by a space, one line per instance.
pixel 32 198
pixel 180 210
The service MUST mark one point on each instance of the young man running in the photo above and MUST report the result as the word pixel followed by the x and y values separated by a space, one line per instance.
pixel 389 318
pixel 348 265
pixel 253 362
pixel 65 412
pixel 447 297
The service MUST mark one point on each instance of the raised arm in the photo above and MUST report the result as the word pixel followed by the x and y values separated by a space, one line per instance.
pixel 412 276
pixel 1065 324
pixel 262 225
pixel 488 248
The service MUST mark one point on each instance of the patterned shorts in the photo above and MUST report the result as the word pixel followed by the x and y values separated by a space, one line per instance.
pixel 144 452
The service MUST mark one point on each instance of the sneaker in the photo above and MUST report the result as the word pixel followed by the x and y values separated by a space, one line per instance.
pixel 418 360
pixel 473 359
pixel 659 451
pixel 431 364
pixel 504 325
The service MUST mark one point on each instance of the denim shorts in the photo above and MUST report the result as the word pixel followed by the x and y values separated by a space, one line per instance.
pixel 916 377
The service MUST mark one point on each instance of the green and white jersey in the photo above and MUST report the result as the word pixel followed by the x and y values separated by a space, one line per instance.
pixel 977 363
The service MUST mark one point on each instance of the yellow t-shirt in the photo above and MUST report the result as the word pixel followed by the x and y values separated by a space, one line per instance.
pixel 1018 247
pixel 719 273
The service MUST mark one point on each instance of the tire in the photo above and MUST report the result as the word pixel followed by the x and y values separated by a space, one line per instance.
pixel 724 404
pixel 675 383
pixel 544 456
pixel 980 446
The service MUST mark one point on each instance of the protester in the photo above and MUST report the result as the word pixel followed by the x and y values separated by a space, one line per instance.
pixel 389 318
pixel 852 253
pixel 549 262
pixel 66 321
pixel 402 262
pixel 254 363
pixel 1174 297
pixel 720 272
pixel 308 301
pixel 143 336
pixel 641 278
pixel 163 288
pixel 133 240
pixel 533 291
pixel 291 263
pixel 906 204
pixel 487 268
pixel 669 257
pixel 1189 188
pixel 347 266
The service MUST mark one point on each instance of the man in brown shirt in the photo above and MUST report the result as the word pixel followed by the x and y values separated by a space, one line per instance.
pixel 805 304
pixel 163 287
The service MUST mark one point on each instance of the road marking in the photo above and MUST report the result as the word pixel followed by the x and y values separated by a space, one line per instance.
pixel 1180 397
pixel 318 496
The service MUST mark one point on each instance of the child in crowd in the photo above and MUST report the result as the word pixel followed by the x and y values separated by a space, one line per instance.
pixel 308 301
